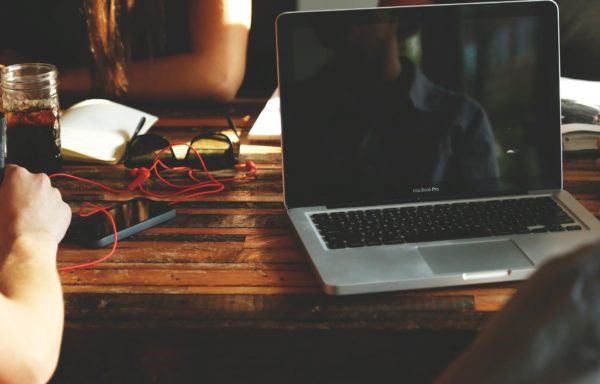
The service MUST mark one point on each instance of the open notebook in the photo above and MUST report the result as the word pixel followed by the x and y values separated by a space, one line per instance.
pixel 97 130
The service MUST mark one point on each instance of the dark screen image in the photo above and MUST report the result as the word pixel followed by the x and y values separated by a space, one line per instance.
pixel 408 104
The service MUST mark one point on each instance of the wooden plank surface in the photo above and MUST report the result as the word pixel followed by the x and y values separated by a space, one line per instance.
pixel 230 260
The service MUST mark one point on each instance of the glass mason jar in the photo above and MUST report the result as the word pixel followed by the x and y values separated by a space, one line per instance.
pixel 31 110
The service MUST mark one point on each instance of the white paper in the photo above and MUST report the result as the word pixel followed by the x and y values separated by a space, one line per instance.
pixel 582 91
pixel 98 130
pixel 267 126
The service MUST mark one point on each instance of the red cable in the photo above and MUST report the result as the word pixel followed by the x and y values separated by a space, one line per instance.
pixel 185 191
pixel 114 246
pixel 86 181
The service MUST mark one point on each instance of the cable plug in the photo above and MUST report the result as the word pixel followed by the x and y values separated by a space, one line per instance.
pixel 247 166
pixel 141 175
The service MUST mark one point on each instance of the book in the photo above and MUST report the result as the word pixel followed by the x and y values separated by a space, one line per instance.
pixel 580 137
pixel 580 105
pixel 98 130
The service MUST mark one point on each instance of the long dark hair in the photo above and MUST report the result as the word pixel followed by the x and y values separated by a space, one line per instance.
pixel 109 27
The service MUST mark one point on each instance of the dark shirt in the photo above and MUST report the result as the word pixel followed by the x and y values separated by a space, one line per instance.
pixel 452 132
pixel 55 31
pixel 411 132
pixel 45 31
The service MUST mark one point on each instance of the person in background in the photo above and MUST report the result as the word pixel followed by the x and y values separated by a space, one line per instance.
pixel 34 219
pixel 376 103
pixel 549 331
pixel 149 50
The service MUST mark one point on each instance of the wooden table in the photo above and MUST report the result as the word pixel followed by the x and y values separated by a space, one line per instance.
pixel 230 261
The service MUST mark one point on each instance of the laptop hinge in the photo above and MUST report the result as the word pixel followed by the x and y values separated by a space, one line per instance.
pixel 437 200
pixel 341 206
pixel 368 204
pixel 544 192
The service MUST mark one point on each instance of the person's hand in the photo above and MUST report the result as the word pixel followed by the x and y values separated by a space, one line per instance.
pixel 31 209
pixel 33 220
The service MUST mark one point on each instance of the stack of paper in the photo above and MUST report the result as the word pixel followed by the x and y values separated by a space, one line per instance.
pixel 267 126
pixel 580 90
pixel 580 102
pixel 580 137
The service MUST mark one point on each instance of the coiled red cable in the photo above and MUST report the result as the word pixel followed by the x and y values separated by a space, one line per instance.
pixel 198 187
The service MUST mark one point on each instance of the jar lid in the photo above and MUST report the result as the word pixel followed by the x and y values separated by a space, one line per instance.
pixel 29 76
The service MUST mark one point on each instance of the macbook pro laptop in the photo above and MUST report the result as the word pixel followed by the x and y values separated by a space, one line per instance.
pixel 421 145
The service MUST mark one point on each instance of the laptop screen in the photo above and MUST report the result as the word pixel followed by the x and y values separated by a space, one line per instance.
pixel 419 103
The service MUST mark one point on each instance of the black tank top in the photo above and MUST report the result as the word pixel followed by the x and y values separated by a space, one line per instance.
pixel 55 31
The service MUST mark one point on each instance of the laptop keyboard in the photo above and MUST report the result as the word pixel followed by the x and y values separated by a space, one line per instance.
pixel 373 227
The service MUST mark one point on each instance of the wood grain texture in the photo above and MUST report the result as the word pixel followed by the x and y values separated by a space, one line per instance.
pixel 231 260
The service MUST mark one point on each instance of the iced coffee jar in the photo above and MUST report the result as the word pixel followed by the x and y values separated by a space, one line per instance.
pixel 31 109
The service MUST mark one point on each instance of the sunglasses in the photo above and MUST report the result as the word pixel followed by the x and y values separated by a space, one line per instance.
pixel 217 150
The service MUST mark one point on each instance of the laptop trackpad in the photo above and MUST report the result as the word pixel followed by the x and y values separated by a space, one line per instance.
pixel 474 257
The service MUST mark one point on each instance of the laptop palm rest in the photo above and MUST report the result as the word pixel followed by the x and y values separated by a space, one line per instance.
pixel 500 255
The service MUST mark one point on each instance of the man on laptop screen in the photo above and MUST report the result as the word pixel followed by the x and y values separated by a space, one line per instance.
pixel 371 106
pixel 422 144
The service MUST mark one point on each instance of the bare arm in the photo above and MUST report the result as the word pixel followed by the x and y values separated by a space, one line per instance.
pixel 212 70
pixel 33 219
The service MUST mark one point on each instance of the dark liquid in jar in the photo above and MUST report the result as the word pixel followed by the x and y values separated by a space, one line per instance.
pixel 33 141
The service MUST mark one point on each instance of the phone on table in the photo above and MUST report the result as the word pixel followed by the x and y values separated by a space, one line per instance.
pixel 131 217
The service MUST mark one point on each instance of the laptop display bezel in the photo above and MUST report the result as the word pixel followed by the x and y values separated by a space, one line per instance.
pixel 545 9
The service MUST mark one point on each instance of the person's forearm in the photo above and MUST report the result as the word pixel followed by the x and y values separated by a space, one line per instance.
pixel 184 76
pixel 212 70
pixel 32 311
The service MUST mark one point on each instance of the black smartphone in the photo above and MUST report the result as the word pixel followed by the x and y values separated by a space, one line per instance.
pixel 131 217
